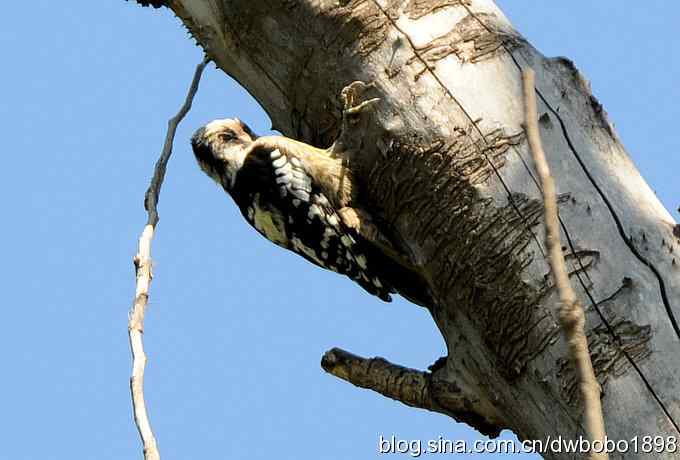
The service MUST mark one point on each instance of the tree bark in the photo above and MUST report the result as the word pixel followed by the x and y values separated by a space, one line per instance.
pixel 446 167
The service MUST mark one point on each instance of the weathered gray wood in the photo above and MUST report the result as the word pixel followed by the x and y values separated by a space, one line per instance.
pixel 447 167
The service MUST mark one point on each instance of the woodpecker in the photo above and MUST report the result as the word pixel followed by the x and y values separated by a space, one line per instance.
pixel 298 197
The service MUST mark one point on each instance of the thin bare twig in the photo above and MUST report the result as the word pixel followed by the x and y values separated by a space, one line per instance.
pixel 572 317
pixel 154 190
pixel 143 275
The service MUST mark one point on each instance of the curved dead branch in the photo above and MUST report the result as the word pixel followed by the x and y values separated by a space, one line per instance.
pixel 143 276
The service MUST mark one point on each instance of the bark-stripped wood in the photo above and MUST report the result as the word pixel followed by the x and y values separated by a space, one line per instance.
pixel 447 169
pixel 572 318
pixel 144 274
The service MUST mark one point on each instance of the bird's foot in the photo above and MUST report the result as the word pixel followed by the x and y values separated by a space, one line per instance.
pixel 354 126
pixel 351 95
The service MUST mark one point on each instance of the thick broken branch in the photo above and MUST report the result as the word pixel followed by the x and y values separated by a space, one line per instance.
pixel 143 274
pixel 572 317
pixel 411 387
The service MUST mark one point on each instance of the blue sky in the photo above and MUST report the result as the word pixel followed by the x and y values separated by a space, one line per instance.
pixel 236 326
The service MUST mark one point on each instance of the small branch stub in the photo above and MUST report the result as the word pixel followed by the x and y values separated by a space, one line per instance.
pixel 143 276
pixel 414 388
pixel 408 386
pixel 572 317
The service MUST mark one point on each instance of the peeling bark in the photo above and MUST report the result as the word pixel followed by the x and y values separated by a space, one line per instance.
pixel 446 168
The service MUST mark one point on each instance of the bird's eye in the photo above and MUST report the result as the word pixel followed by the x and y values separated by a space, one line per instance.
pixel 227 136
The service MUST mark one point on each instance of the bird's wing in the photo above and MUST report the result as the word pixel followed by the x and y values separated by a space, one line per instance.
pixel 289 207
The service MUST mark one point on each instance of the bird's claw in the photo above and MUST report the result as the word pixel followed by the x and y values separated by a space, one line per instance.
pixel 352 93
pixel 362 107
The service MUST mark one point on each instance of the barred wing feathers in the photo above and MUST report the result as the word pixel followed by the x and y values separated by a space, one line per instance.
pixel 278 196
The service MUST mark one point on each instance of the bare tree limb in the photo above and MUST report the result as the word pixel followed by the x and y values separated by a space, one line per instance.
pixel 412 387
pixel 154 190
pixel 409 386
pixel 143 274
pixel 572 317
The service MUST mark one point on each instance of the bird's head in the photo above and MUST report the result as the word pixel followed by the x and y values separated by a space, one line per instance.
pixel 220 148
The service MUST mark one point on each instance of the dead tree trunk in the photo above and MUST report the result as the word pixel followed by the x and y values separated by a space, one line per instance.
pixel 447 168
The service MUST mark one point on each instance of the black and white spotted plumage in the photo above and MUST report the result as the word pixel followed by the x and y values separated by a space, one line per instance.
pixel 281 199
pixel 273 187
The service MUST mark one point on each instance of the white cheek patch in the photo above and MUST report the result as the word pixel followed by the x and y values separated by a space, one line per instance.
pixel 233 162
